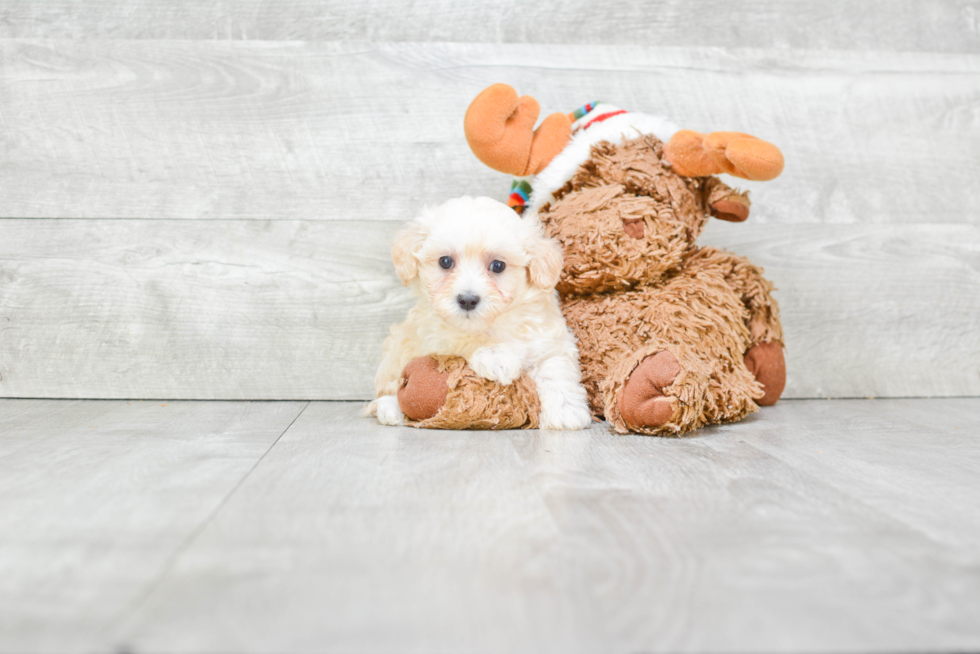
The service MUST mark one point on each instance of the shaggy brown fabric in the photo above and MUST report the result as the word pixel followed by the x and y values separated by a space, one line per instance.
pixel 643 300
pixel 472 402
pixel 696 317
pixel 619 186
pixel 630 294
pixel 600 255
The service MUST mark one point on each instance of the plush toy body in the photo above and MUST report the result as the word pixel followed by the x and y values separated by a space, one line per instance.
pixel 671 336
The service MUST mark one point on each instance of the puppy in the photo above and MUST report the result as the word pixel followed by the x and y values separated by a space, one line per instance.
pixel 485 282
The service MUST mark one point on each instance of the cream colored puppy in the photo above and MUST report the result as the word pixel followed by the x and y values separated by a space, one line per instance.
pixel 485 282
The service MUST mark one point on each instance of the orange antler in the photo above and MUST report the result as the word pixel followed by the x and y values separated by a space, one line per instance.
pixel 500 130
pixel 692 154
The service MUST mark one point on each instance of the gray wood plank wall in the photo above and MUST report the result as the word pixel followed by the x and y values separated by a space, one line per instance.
pixel 224 178
pixel 900 25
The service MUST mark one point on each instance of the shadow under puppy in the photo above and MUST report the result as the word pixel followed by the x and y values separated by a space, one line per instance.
pixel 486 345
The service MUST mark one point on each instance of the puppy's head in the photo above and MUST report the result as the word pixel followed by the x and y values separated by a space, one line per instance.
pixel 474 258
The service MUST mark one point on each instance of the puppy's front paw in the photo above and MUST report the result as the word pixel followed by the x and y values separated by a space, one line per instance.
pixel 565 416
pixel 496 364
pixel 388 411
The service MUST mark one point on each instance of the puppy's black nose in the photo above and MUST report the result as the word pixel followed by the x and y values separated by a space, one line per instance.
pixel 468 301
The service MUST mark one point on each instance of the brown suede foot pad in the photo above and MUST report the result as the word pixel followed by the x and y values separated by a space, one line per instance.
pixel 767 362
pixel 464 400
pixel 424 391
pixel 642 403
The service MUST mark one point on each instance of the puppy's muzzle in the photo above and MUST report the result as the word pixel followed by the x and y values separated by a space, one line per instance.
pixel 467 301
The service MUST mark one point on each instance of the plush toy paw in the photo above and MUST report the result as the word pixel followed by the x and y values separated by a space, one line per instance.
pixel 767 362
pixel 424 390
pixel 388 411
pixel 642 402
pixel 448 394
pixel 496 364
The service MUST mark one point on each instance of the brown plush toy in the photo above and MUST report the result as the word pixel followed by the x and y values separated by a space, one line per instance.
pixel 672 336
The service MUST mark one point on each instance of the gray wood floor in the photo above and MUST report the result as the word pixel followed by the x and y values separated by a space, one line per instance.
pixel 823 526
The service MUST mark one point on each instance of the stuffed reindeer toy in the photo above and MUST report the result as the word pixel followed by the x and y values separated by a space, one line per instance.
pixel 671 336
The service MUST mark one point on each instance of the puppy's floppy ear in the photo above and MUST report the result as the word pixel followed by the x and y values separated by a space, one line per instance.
pixel 408 242
pixel 544 267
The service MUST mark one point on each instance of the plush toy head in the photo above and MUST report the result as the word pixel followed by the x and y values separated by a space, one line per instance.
pixel 625 205
pixel 624 218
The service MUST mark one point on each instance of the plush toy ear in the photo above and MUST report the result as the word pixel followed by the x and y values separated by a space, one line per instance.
pixel 407 244
pixel 544 267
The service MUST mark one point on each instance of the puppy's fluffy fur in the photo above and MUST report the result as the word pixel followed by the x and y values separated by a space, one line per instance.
pixel 517 324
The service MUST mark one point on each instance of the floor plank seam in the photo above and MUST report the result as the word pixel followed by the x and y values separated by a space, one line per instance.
pixel 112 626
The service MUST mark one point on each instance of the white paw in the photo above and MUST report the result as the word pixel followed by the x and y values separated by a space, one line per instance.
pixel 496 364
pixel 388 411
pixel 565 415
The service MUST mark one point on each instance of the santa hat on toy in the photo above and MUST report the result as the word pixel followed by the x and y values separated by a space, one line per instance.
pixel 500 130
pixel 590 124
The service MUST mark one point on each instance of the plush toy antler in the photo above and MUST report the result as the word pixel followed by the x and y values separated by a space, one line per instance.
pixel 693 154
pixel 500 130
pixel 499 127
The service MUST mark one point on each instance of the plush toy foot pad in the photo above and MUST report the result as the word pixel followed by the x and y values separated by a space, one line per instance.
pixel 642 402
pixel 767 362
pixel 447 394
pixel 425 389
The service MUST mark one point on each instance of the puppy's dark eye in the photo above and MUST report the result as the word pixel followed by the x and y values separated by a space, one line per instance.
pixel 447 262
pixel 497 266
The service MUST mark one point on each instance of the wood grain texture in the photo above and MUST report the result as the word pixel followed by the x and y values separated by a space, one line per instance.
pixel 174 309
pixel 871 310
pixel 813 526
pixel 924 25
pixel 298 309
pixel 369 131
pixel 97 497
pixel 942 433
